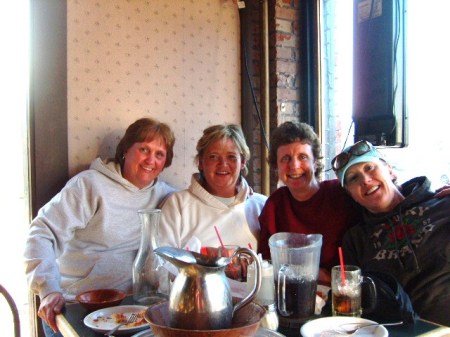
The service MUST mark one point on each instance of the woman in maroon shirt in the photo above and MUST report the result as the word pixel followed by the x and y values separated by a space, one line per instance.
pixel 305 205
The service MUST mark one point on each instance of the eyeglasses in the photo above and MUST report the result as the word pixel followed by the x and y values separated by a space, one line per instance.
pixel 357 149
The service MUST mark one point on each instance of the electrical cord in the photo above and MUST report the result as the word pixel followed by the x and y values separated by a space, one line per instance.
pixel 255 103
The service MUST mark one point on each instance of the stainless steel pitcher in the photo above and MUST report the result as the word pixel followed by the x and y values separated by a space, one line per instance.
pixel 200 298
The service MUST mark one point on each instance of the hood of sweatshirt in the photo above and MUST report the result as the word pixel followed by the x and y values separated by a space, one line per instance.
pixel 416 191
pixel 196 188
pixel 112 170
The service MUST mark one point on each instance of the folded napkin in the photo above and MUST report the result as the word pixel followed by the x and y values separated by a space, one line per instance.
pixel 321 298
pixel 238 289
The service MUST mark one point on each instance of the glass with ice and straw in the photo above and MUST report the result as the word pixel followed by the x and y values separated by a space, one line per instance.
pixel 346 283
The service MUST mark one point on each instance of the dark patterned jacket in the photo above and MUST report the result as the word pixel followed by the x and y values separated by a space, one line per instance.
pixel 413 244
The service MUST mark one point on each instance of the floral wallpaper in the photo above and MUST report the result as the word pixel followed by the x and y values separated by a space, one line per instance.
pixel 178 61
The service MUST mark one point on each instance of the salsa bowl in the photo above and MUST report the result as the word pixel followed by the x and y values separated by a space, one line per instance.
pixel 100 298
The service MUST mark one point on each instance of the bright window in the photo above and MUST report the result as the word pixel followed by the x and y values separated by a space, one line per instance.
pixel 13 173
pixel 427 74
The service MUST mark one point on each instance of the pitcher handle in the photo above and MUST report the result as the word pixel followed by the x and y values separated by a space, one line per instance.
pixel 257 284
pixel 281 290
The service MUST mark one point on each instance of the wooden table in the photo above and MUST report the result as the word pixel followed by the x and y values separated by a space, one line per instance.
pixel 70 323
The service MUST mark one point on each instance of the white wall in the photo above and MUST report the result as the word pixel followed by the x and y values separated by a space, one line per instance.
pixel 178 61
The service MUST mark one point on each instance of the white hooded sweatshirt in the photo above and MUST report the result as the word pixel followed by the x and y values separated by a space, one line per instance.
pixel 87 235
pixel 195 212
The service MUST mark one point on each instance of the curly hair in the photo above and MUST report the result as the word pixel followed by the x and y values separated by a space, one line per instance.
pixel 293 131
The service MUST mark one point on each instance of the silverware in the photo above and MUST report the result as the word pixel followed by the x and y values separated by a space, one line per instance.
pixel 133 318
pixel 355 327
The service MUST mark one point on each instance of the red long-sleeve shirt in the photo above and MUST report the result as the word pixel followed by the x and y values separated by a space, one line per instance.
pixel 329 212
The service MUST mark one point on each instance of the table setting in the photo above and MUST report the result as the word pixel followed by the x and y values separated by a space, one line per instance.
pixel 71 324
pixel 282 298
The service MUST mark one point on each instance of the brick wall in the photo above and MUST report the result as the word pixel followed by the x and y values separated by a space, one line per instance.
pixel 284 65
pixel 285 96
pixel 284 75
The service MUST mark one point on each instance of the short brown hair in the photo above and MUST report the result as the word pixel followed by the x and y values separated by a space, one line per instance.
pixel 293 131
pixel 146 129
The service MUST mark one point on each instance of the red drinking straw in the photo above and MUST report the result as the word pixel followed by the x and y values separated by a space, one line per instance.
pixel 218 235
pixel 341 260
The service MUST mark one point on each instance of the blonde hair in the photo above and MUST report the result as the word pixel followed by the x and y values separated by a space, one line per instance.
pixel 218 132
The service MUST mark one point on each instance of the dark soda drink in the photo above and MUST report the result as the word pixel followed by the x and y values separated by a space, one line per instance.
pixel 299 300
pixel 345 305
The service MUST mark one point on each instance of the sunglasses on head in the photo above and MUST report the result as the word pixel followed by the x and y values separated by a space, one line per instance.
pixel 357 149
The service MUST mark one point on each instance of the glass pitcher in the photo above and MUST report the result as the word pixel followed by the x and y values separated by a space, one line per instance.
pixel 150 278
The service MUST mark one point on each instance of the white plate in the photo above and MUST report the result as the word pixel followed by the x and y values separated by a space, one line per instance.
pixel 323 327
pixel 101 321
pixel 262 332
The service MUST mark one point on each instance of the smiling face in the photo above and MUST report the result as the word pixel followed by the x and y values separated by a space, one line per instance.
pixel 221 164
pixel 144 161
pixel 296 168
pixel 370 184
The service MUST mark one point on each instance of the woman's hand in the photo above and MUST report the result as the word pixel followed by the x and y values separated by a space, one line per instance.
pixel 51 305
pixel 442 191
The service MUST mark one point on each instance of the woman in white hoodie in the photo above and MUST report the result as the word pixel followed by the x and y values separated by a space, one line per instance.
pixel 219 196
pixel 87 236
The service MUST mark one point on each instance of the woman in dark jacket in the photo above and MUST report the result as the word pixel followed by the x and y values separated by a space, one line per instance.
pixel 405 231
